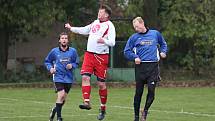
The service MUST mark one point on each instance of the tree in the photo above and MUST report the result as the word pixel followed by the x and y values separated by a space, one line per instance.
pixel 148 9
pixel 21 17
pixel 189 28
pixel 80 12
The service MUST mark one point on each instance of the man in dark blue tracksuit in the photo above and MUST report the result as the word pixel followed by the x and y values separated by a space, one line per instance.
pixel 145 48
pixel 61 62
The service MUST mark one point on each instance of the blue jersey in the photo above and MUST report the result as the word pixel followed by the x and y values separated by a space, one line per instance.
pixel 145 46
pixel 58 59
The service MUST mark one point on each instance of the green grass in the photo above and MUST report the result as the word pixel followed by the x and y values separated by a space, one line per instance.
pixel 171 104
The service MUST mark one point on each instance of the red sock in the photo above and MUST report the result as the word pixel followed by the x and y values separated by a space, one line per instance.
pixel 86 93
pixel 103 98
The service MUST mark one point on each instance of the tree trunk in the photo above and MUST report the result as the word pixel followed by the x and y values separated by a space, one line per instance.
pixel 150 10
pixel 4 36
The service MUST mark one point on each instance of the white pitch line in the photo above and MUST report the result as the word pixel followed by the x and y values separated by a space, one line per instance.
pixel 188 113
pixel 38 102
pixel 11 117
pixel 42 116
pixel 164 111
pixel 122 107
pixel 11 99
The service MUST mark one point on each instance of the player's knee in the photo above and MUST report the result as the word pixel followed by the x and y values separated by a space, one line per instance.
pixel 85 78
pixel 151 93
pixel 63 102
pixel 139 91
pixel 138 94
pixel 60 99
pixel 101 85
pixel 62 96
pixel 151 96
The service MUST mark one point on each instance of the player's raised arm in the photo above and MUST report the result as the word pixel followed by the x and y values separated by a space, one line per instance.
pixel 79 30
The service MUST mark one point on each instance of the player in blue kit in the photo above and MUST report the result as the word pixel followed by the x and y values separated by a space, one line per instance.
pixel 145 48
pixel 61 61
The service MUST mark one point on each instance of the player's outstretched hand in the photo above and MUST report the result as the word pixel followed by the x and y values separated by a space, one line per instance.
pixel 68 26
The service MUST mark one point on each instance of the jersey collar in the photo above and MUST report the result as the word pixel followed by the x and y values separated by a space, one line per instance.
pixel 63 50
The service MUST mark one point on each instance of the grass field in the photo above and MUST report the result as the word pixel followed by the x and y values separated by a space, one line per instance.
pixel 171 104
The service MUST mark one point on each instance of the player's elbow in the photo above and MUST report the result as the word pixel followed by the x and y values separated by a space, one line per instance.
pixel 112 44
pixel 126 55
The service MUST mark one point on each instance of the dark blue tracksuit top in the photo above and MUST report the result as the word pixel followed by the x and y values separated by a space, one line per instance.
pixel 146 46
pixel 58 59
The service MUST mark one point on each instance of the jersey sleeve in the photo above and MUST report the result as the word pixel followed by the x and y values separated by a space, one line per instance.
pixel 129 50
pixel 111 35
pixel 49 60
pixel 75 59
pixel 162 43
pixel 81 30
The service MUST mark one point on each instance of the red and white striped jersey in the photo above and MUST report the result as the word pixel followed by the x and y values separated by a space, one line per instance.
pixel 97 30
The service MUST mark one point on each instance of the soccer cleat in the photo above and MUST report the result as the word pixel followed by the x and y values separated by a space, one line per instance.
pixel 101 115
pixel 52 114
pixel 85 106
pixel 59 119
pixel 136 118
pixel 144 115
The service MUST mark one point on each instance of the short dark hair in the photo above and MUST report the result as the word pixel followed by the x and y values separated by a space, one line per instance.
pixel 63 33
pixel 107 9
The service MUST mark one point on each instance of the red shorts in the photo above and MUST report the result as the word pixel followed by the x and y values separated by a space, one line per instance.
pixel 96 64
